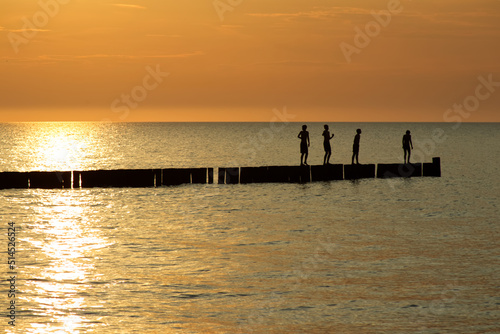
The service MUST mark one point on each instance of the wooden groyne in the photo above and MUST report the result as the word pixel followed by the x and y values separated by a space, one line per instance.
pixel 145 178
pixel 304 174
pixel 119 178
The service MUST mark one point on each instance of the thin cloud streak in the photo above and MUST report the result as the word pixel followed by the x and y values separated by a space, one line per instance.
pixel 24 30
pixel 100 56
pixel 450 17
pixel 129 6
pixel 317 13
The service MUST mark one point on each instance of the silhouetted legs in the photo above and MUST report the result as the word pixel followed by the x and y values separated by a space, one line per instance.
pixel 303 157
pixel 409 155
pixel 326 159
pixel 355 154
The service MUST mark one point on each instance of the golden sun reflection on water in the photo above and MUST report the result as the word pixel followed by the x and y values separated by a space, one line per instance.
pixel 63 266
pixel 58 146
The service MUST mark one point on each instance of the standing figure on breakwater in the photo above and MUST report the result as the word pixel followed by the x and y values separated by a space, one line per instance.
pixel 355 146
pixel 327 146
pixel 304 145
pixel 407 145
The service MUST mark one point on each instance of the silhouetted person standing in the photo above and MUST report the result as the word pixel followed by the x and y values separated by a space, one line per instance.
pixel 327 146
pixel 304 145
pixel 407 145
pixel 355 146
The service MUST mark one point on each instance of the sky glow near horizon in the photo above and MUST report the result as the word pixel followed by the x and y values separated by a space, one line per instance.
pixel 238 60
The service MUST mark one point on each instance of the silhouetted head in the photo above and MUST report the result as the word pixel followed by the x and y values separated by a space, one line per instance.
pixel 407 132
pixel 358 131
pixel 326 127
pixel 304 127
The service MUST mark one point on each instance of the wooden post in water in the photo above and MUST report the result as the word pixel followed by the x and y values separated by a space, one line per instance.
pixel 49 180
pixel 176 176
pixel 222 175
pixel 433 169
pixel 199 175
pixel 305 174
pixel 210 176
pixel 77 177
pixel 399 170
pixel 353 172
pixel 13 180
pixel 327 172
pixel 233 175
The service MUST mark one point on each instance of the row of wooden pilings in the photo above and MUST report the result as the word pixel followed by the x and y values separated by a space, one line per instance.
pixel 143 178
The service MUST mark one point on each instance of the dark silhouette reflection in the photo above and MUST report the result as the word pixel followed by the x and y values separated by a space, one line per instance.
pixel 327 146
pixel 355 146
pixel 407 146
pixel 304 145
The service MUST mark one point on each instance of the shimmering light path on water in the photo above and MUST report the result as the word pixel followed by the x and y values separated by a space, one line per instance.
pixel 371 256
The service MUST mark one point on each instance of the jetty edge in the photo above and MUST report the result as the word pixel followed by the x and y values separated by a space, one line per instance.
pixel 147 178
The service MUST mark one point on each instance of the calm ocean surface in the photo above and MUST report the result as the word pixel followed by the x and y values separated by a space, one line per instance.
pixel 415 255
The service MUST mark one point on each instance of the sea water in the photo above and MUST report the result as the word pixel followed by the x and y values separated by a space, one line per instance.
pixel 417 255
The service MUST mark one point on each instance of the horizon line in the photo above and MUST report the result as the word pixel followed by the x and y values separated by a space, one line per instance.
pixel 298 122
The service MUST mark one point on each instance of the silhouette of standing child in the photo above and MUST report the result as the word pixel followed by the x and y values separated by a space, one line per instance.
pixel 407 145
pixel 355 146
pixel 327 146
pixel 304 145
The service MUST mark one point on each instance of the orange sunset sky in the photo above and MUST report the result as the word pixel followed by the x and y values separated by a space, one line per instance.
pixel 237 60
